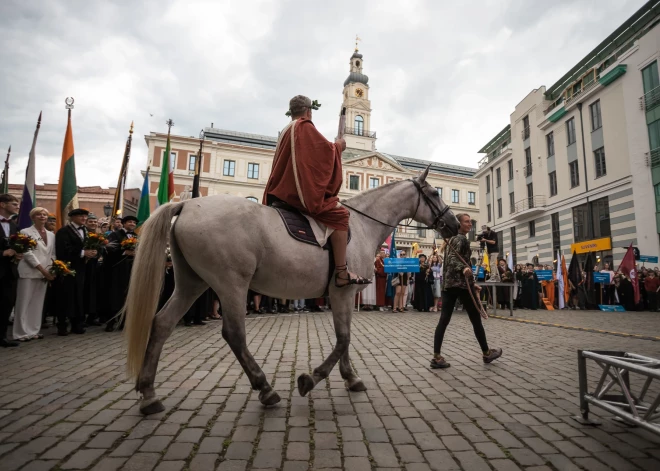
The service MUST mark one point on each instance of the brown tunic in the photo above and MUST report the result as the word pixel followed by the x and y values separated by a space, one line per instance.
pixel 307 174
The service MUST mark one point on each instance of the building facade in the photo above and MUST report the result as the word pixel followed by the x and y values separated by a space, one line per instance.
pixel 578 166
pixel 238 163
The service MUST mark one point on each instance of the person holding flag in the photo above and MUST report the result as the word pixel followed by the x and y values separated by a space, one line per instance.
pixel 629 270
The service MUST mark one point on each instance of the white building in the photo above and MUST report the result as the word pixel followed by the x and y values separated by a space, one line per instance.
pixel 578 166
pixel 239 163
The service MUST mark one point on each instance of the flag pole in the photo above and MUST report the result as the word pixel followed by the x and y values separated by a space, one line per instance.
pixel 5 174
pixel 198 167
pixel 118 204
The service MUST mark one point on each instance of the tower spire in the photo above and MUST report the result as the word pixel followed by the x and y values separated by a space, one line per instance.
pixel 357 38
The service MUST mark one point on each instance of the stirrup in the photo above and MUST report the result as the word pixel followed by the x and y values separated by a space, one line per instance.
pixel 358 280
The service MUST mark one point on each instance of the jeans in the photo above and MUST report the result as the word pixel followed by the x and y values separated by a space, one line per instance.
pixel 449 297
pixel 298 303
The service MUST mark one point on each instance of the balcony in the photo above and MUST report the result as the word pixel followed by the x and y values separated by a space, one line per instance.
pixel 529 207
pixel 650 99
pixel 360 132
pixel 503 151
pixel 653 158
pixel 527 170
pixel 525 133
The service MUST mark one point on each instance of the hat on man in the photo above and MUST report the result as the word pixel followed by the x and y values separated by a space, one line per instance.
pixel 52 217
pixel 92 216
pixel 125 219
pixel 78 212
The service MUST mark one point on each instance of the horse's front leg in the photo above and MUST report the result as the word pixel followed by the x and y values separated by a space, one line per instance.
pixel 352 381
pixel 342 310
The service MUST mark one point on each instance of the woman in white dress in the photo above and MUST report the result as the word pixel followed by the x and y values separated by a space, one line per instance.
pixel 436 267
pixel 368 296
pixel 32 270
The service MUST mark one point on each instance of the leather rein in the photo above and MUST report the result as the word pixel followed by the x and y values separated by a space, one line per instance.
pixel 438 213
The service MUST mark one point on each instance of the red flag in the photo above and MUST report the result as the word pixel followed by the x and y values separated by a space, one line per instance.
pixel 627 267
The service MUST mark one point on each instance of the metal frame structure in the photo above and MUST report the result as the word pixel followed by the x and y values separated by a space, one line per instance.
pixel 616 368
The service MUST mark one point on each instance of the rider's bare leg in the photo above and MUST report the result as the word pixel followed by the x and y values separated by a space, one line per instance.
pixel 339 240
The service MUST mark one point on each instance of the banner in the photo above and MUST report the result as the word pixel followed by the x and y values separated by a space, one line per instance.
pixel 595 245
pixel 401 265
pixel 544 275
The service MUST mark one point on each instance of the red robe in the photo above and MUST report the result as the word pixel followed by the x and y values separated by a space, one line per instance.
pixel 381 282
pixel 310 178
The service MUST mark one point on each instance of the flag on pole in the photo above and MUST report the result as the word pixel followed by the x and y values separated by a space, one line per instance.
pixel 166 186
pixel 67 188
pixel 29 198
pixel 628 268
pixel 567 288
pixel 574 271
pixel 509 261
pixel 118 203
pixel 144 207
pixel 4 183
pixel 486 262
pixel 560 280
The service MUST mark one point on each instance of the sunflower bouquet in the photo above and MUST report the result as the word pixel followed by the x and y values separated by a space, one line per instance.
pixel 21 243
pixel 129 244
pixel 95 241
pixel 60 268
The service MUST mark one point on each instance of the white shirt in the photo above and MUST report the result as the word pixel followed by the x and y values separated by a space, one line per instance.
pixel 5 227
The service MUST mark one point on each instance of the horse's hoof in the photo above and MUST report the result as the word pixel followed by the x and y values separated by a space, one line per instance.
pixel 305 384
pixel 356 385
pixel 151 406
pixel 269 398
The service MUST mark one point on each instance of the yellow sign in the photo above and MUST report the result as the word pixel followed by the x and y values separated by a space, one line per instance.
pixel 595 245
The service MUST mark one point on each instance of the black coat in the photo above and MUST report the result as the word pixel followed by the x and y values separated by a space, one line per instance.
pixel 119 267
pixel 8 269
pixel 70 290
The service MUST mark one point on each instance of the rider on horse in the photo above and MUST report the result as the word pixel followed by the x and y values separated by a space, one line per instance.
pixel 307 175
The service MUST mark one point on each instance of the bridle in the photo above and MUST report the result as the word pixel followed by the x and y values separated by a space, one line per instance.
pixel 437 224
pixel 437 212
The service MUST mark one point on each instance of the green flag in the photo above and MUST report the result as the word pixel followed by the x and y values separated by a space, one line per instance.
pixel 144 208
pixel 166 186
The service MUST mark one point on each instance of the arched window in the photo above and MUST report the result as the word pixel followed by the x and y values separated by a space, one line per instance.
pixel 252 198
pixel 359 125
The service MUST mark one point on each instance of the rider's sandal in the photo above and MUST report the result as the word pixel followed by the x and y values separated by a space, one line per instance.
pixel 358 280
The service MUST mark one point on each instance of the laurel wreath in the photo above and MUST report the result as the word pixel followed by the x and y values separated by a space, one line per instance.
pixel 315 106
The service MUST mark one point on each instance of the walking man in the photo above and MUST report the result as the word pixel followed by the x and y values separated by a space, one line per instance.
pixel 457 281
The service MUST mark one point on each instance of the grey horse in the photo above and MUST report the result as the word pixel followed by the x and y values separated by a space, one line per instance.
pixel 203 235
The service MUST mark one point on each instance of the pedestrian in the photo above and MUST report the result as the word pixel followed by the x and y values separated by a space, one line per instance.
pixel 504 292
pixel 492 248
pixel 436 268
pixel 458 280
pixel 70 290
pixel 652 285
pixel 8 269
pixel 33 273
pixel 530 288
pixel 92 270
pixel 423 286
pixel 381 280
pixel 120 265
pixel 400 290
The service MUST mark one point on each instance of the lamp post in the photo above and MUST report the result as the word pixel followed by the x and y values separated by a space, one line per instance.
pixel 107 209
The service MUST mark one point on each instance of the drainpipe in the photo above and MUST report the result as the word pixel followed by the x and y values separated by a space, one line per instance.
pixel 492 192
pixel 586 179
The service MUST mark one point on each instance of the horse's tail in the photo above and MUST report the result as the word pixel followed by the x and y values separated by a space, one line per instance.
pixel 144 290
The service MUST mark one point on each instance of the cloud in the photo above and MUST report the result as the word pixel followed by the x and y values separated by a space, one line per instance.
pixel 444 77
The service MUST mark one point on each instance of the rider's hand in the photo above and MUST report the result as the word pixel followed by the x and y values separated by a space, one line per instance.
pixel 341 142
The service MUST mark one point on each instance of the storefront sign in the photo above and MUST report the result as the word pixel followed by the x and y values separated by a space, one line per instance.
pixel 401 265
pixel 544 275
pixel 602 278
pixel 648 258
pixel 595 245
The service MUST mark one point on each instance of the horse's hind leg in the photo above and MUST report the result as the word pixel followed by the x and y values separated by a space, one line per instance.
pixel 233 331
pixel 351 380
pixel 161 329
pixel 342 311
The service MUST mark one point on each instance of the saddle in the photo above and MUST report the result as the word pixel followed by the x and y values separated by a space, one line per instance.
pixel 298 226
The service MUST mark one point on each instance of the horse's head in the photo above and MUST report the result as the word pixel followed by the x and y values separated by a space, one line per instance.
pixel 432 211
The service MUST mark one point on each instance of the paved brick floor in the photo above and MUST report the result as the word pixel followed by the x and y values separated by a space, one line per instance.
pixel 64 402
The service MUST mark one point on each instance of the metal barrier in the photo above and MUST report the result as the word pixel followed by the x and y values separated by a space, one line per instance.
pixel 616 368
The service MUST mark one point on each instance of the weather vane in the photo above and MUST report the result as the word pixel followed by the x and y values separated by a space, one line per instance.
pixel 357 38
pixel 69 103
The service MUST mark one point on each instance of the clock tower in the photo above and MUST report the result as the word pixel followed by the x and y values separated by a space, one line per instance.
pixel 358 134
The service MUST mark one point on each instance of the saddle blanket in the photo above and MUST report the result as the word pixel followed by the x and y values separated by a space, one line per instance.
pixel 304 228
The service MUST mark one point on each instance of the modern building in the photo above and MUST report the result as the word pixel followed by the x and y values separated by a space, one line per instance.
pixel 239 163
pixel 578 166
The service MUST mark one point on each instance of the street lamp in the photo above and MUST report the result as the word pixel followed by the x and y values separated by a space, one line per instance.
pixel 107 209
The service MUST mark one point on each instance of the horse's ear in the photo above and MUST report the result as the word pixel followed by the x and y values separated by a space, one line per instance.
pixel 422 177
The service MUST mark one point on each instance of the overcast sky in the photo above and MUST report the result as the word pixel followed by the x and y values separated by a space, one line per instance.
pixel 444 76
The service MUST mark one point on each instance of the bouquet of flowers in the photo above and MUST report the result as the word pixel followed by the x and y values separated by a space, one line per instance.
pixel 129 244
pixel 21 243
pixel 95 241
pixel 60 268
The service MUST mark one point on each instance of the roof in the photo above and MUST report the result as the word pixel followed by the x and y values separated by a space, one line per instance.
pixel 242 138
pixel 628 31
pixel 503 134
pixel 437 167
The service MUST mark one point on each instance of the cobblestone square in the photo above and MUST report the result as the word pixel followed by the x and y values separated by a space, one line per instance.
pixel 65 402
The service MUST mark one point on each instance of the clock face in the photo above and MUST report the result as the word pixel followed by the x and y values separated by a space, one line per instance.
pixel 359 93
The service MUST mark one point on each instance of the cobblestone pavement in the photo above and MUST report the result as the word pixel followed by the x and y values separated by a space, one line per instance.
pixel 638 323
pixel 65 404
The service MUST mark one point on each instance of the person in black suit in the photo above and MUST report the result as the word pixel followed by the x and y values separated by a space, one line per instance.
pixel 121 264
pixel 70 290
pixel 8 269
